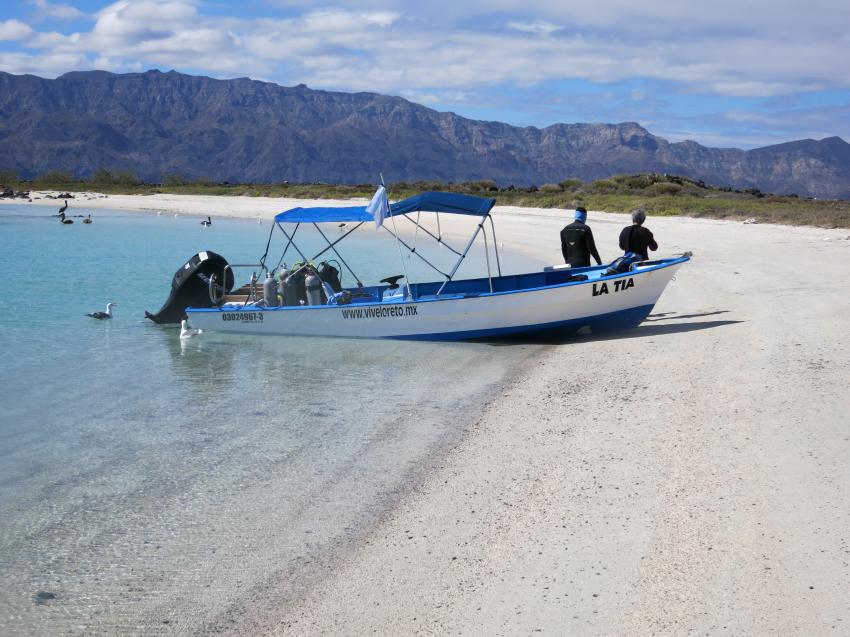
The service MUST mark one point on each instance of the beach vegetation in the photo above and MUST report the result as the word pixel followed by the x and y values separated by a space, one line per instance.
pixel 482 185
pixel 117 177
pixel 8 176
pixel 604 186
pixel 658 194
pixel 664 188
pixel 55 177
pixel 174 180
pixel 571 184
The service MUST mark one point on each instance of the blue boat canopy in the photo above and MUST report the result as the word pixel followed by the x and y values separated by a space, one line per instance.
pixel 448 202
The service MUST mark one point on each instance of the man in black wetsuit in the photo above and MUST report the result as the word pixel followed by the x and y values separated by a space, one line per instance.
pixel 636 238
pixel 577 242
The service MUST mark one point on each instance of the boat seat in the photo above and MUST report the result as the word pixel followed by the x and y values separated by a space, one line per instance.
pixel 235 298
pixel 395 294
pixel 363 297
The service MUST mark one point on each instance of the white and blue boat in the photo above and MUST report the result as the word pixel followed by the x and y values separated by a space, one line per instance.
pixel 557 302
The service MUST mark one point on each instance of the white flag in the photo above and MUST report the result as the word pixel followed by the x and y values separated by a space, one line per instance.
pixel 379 207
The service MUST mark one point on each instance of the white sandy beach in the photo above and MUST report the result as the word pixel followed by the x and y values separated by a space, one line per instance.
pixel 688 476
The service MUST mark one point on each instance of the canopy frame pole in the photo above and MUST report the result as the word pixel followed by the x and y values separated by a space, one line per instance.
pixel 288 243
pixel 398 245
pixel 415 232
pixel 495 244
pixel 294 245
pixel 335 251
pixel 462 257
pixel 439 236
pixel 487 258
pixel 433 267
pixel 432 235
pixel 262 263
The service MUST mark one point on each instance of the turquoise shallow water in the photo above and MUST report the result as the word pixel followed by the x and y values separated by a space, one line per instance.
pixel 146 482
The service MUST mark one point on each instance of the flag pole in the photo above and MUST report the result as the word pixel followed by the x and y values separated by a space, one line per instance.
pixel 397 241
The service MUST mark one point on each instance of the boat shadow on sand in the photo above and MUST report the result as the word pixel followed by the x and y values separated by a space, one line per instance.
pixel 655 328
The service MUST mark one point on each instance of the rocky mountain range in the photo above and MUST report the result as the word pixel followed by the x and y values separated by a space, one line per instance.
pixel 242 130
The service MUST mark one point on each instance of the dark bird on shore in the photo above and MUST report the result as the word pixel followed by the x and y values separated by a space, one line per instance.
pixel 64 208
pixel 63 220
pixel 207 223
pixel 103 315
pixel 87 219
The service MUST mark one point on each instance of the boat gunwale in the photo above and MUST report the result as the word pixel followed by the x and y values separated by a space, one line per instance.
pixel 448 297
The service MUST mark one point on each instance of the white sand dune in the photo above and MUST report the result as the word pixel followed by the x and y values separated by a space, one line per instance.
pixel 690 475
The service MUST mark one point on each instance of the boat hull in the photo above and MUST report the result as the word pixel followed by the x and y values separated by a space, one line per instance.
pixel 551 312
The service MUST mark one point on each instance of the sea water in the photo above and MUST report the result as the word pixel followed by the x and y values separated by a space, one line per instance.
pixel 152 485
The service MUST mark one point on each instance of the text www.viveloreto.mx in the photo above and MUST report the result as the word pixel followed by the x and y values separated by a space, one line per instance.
pixel 392 311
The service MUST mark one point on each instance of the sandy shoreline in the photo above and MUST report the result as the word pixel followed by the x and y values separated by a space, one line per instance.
pixel 688 476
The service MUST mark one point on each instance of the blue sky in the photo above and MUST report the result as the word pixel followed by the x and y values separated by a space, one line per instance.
pixel 724 73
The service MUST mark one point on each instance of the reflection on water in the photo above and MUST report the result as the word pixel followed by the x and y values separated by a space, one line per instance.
pixel 147 479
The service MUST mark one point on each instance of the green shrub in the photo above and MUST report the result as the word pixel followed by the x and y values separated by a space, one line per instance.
pixel 55 177
pixel 571 184
pixel 9 177
pixel 550 188
pixel 422 186
pixel 664 188
pixel 101 176
pixel 125 178
pixel 482 185
pixel 104 177
pixel 604 186
pixel 174 180
pixel 638 182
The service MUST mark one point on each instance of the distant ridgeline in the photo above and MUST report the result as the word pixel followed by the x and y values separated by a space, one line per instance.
pixel 156 124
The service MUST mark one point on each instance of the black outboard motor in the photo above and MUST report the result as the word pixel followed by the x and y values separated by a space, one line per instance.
pixel 190 287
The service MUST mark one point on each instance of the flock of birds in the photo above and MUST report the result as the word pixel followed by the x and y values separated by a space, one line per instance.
pixel 185 330
pixel 65 221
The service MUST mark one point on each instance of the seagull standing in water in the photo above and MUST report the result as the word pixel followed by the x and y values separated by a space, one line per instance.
pixel 207 223
pixel 188 332
pixel 103 315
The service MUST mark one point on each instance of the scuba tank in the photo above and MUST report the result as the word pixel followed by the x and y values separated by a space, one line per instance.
pixel 270 290
pixel 281 287
pixel 313 285
pixel 294 293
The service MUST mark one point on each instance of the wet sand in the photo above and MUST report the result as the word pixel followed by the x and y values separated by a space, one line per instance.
pixel 690 475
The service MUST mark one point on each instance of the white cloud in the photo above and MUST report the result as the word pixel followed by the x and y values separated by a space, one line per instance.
pixel 544 29
pixel 47 10
pixel 14 30
pixel 392 46
pixel 49 65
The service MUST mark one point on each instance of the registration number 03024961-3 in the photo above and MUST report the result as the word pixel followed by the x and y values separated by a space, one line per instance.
pixel 245 317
